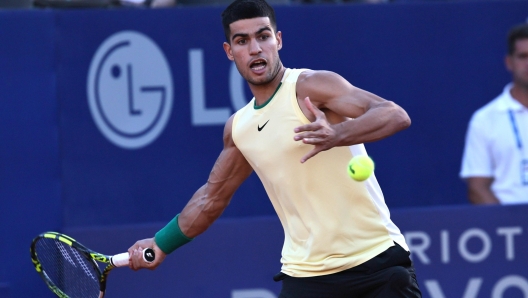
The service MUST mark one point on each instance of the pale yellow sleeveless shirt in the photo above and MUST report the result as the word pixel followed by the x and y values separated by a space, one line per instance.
pixel 331 222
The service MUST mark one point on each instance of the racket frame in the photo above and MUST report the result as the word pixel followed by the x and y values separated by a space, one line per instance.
pixel 89 254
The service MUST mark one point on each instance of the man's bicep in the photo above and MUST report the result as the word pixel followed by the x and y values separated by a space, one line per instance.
pixel 479 182
pixel 229 171
pixel 210 200
pixel 329 90
pixel 231 167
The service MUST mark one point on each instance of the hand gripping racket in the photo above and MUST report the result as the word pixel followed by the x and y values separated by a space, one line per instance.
pixel 70 269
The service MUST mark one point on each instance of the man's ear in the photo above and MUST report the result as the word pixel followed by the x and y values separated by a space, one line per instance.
pixel 227 49
pixel 508 62
pixel 279 39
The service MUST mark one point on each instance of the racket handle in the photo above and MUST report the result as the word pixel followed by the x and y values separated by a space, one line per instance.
pixel 121 260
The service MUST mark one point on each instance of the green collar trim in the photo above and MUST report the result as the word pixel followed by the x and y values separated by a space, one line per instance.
pixel 256 107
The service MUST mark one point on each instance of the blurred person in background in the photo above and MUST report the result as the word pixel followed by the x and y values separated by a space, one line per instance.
pixel 495 159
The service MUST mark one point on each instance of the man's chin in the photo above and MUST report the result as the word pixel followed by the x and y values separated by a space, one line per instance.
pixel 259 81
pixel 523 83
pixel 262 80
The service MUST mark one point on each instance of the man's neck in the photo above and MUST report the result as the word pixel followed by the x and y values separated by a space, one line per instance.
pixel 520 93
pixel 263 92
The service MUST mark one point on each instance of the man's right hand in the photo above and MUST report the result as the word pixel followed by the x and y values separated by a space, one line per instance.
pixel 135 252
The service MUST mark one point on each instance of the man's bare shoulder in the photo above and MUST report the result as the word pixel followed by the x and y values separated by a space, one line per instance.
pixel 321 85
pixel 317 76
pixel 228 129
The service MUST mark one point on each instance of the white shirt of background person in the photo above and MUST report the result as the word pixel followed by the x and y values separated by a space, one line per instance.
pixel 497 147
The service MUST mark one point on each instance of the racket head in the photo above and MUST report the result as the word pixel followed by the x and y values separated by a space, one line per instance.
pixel 67 267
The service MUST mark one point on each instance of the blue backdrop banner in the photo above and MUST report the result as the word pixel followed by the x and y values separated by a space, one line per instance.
pixel 144 94
pixel 465 251
pixel 114 117
pixel 29 145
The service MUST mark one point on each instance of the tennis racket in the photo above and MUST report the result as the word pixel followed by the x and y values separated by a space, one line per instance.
pixel 70 269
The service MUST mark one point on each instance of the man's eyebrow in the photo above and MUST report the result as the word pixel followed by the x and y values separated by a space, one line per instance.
pixel 266 28
pixel 239 34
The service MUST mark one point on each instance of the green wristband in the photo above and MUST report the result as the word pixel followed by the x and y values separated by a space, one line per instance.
pixel 171 237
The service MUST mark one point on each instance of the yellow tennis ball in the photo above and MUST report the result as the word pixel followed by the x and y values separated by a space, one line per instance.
pixel 360 167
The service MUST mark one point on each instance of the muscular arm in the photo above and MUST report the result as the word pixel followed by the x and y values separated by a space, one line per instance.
pixel 353 115
pixel 479 191
pixel 207 204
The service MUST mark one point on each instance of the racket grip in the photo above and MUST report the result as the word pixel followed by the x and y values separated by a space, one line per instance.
pixel 121 260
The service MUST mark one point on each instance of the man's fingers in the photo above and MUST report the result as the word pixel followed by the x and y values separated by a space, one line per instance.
pixel 316 133
pixel 132 262
pixel 308 127
pixel 135 255
pixel 136 260
pixel 131 254
pixel 310 154
pixel 308 135
pixel 313 109
pixel 318 114
pixel 313 141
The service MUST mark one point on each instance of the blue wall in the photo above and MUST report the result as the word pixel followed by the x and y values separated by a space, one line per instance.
pixel 440 61
pixel 453 258
pixel 29 147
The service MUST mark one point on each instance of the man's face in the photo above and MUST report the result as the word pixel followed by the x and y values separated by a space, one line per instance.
pixel 517 62
pixel 254 47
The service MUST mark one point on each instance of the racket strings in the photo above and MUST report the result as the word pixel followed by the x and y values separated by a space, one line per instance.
pixel 68 269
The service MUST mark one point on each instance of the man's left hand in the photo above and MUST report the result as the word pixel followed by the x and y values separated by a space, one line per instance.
pixel 319 133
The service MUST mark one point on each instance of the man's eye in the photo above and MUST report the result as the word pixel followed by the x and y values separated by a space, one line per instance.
pixel 241 41
pixel 264 37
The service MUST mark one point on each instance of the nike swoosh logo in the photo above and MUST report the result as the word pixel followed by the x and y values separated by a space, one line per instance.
pixel 260 128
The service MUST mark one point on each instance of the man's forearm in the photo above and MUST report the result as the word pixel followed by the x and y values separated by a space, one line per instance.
pixel 200 213
pixel 482 196
pixel 377 123
pixel 479 190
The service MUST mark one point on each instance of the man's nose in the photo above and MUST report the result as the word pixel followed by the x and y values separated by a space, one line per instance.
pixel 254 47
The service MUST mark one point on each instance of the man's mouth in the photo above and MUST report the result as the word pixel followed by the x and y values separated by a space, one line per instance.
pixel 258 64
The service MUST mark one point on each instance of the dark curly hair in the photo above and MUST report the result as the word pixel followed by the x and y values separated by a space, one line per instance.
pixel 516 33
pixel 247 9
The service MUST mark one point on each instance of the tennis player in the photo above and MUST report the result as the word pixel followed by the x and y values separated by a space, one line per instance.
pixel 298 134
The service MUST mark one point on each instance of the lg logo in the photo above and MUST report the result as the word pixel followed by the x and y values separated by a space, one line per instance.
pixel 200 114
pixel 130 89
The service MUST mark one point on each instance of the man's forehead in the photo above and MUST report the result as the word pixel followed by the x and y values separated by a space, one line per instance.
pixel 521 45
pixel 522 41
pixel 248 26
